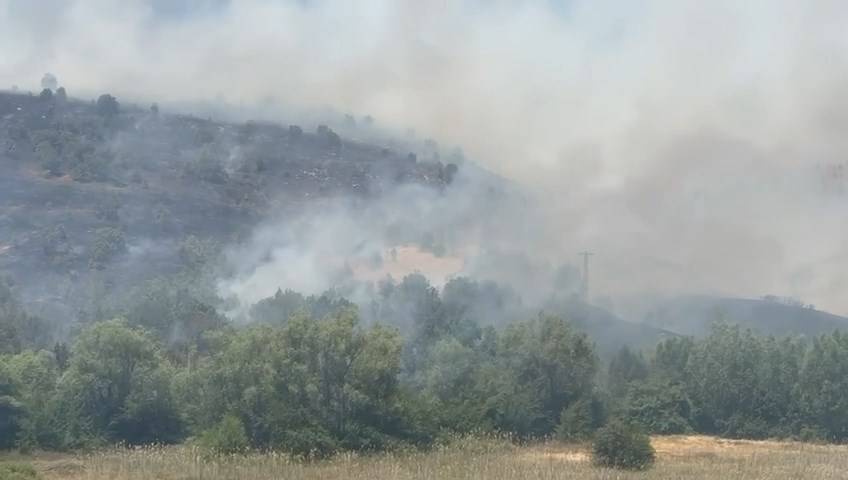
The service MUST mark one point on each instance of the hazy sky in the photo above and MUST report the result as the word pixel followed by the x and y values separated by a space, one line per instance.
pixel 683 141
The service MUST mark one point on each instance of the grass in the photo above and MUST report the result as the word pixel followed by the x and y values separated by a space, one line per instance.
pixel 695 457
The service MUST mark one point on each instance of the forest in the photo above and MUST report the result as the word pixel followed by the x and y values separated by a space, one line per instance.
pixel 308 376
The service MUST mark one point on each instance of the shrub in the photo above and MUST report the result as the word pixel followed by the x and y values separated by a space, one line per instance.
pixel 622 445
pixel 228 437
pixel 109 242
pixel 17 471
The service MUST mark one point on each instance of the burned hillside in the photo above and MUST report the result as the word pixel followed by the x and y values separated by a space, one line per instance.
pixel 101 190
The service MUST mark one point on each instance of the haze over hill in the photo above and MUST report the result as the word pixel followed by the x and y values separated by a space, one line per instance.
pixel 697 148
pixel 101 199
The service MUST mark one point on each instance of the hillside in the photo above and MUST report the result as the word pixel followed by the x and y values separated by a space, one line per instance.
pixel 97 198
pixel 693 315
pixel 100 191
pixel 610 332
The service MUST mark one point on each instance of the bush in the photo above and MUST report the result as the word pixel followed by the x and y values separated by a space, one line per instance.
pixel 622 445
pixel 228 437
pixel 17 471
pixel 109 242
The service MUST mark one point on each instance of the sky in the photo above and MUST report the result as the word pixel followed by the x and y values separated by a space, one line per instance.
pixel 691 145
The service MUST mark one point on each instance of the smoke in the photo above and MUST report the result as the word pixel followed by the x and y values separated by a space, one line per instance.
pixel 693 146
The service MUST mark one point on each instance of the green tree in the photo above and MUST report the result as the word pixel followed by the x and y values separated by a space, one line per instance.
pixel 117 387
pixel 626 367
pixel 278 308
pixel 11 410
pixel 312 385
pixel 580 419
pixel 671 357
pixel 659 406
pixel 742 385
pixel 18 329
pixel 823 387
pixel 176 311
pixel 109 242
pixel 34 375
pixel 547 357
pixel 451 379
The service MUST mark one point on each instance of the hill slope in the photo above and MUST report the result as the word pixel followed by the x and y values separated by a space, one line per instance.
pixel 692 315
pixel 101 194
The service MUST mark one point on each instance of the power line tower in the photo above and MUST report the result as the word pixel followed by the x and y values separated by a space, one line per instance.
pixel 585 289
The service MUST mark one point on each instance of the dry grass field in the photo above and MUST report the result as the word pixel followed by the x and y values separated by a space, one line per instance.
pixel 695 457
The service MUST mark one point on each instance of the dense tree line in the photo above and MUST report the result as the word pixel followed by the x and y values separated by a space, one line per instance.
pixel 734 383
pixel 309 375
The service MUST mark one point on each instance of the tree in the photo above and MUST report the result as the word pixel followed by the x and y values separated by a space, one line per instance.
pixel 61 94
pixel 742 385
pixel 109 242
pixel 11 411
pixel 18 329
pixel 823 387
pixel 56 246
pixel 34 375
pixel 580 419
pixel 295 132
pixel 450 172
pixel 451 380
pixel 308 386
pixel 626 367
pixel 355 373
pixel 117 387
pixel 658 407
pixel 671 357
pixel 197 254
pixel 278 308
pixel 415 308
pixel 178 314
pixel 107 105
pixel 548 358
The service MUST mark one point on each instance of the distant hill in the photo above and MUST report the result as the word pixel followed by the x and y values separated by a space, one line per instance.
pixel 608 331
pixel 693 315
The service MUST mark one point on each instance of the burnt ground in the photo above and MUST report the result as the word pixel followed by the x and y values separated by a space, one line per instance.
pixel 72 170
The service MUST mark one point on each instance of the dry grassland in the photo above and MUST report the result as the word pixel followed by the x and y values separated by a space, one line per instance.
pixel 695 457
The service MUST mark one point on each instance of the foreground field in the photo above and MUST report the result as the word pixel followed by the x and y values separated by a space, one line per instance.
pixel 695 457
